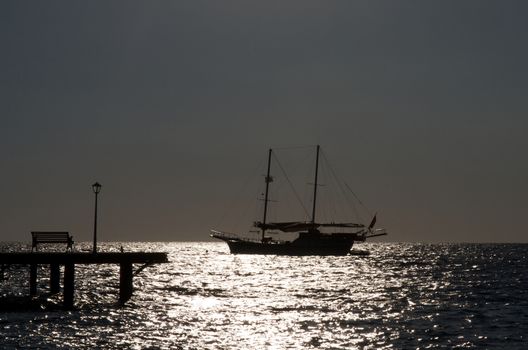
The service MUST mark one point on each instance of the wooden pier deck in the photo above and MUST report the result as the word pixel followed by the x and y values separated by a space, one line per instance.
pixel 69 259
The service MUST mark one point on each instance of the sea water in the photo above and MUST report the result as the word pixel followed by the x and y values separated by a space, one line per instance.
pixel 402 296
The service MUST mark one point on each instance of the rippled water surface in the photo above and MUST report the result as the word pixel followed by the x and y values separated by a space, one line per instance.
pixel 400 296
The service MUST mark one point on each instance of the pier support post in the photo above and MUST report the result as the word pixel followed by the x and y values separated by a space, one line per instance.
pixel 125 282
pixel 69 280
pixel 32 280
pixel 54 278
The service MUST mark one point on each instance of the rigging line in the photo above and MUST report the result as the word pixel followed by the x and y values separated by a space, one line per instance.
pixel 353 204
pixel 291 185
pixel 238 196
pixel 328 196
pixel 339 183
pixel 347 201
pixel 324 203
pixel 348 187
pixel 364 206
pixel 337 203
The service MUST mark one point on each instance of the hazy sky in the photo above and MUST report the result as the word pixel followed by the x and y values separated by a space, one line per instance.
pixel 422 106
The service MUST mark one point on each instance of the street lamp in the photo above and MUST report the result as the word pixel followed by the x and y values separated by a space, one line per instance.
pixel 96 189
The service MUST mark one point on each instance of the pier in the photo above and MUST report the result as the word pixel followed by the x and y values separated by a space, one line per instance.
pixel 70 259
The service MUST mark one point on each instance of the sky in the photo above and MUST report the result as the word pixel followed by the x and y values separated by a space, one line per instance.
pixel 421 105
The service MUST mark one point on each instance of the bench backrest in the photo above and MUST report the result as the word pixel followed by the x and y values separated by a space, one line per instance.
pixel 51 237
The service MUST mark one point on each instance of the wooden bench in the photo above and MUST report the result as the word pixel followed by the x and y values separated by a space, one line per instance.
pixel 51 237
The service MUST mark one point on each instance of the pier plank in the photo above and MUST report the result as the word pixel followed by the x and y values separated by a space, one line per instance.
pixel 63 258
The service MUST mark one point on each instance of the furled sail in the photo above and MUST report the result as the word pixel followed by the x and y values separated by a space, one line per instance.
pixel 295 226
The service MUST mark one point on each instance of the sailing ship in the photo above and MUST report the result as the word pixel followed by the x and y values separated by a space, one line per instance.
pixel 312 236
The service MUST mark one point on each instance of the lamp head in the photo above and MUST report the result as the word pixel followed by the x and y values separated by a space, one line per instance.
pixel 96 187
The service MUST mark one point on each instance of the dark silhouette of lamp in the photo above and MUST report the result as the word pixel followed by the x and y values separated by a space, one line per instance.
pixel 96 189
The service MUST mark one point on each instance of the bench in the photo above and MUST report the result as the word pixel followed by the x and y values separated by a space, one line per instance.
pixel 51 237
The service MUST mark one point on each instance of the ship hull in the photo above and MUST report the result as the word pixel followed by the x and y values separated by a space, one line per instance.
pixel 338 245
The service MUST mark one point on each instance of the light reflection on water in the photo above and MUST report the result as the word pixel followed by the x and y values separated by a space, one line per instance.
pixel 401 296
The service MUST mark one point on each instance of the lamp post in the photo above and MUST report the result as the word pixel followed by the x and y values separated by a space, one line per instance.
pixel 96 188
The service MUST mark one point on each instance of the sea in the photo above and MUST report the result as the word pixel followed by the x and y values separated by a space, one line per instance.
pixel 384 296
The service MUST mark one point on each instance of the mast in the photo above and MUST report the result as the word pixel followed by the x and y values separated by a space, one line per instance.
pixel 315 186
pixel 268 180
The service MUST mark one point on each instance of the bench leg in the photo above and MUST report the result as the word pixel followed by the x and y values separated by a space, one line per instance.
pixel 32 280
pixel 69 281
pixel 125 282
pixel 54 278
